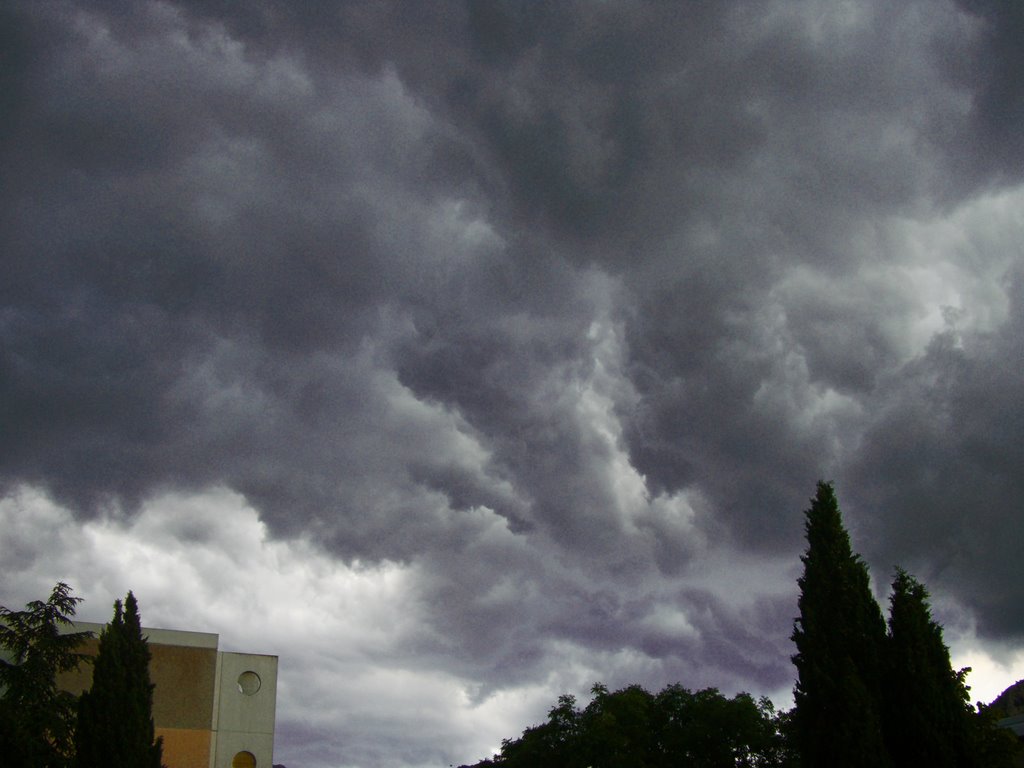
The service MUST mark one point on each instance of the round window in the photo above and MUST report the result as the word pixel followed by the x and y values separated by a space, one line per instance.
pixel 248 683
pixel 244 760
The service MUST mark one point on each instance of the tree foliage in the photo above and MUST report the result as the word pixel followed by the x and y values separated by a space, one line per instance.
pixel 115 717
pixel 929 716
pixel 870 697
pixel 840 641
pixel 631 728
pixel 928 711
pixel 36 717
pixel 866 695
pixel 707 730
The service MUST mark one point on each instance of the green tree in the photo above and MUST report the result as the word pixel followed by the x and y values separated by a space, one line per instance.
pixel 991 745
pixel 36 717
pixel 553 744
pixel 704 729
pixel 115 717
pixel 840 637
pixel 929 718
pixel 617 729
pixel 928 715
pixel 630 728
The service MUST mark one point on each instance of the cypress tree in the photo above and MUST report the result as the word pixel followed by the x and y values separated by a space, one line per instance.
pixel 929 717
pixel 840 637
pixel 115 717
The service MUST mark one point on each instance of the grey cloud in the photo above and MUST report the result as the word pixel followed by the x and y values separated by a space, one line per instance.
pixel 998 109
pixel 937 470
pixel 552 303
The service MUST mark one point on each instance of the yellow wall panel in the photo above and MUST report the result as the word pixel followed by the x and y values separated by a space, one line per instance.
pixel 184 679
pixel 185 748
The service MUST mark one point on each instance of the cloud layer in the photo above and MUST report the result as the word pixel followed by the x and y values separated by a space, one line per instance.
pixel 531 325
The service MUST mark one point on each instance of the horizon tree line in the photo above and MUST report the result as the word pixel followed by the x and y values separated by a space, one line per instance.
pixel 869 693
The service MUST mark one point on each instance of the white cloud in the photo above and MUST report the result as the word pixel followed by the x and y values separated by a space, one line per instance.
pixel 204 562
pixel 958 260
pixel 992 670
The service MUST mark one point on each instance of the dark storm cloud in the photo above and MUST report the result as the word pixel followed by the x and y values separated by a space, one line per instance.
pixel 998 108
pixel 236 254
pixel 940 469
pixel 553 302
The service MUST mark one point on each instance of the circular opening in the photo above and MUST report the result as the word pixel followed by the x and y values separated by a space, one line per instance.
pixel 248 683
pixel 244 760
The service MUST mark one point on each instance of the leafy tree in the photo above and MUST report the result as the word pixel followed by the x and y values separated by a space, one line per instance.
pixel 554 744
pixel 706 730
pixel 785 754
pixel 992 745
pixel 839 636
pixel 36 718
pixel 115 717
pixel 618 729
pixel 630 728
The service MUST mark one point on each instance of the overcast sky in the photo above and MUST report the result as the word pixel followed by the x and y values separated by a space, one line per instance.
pixel 465 354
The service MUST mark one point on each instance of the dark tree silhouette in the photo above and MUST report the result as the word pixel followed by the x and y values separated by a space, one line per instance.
pixel 929 718
pixel 36 718
pixel 928 715
pixel 704 729
pixel 864 697
pixel 115 717
pixel 631 728
pixel 840 637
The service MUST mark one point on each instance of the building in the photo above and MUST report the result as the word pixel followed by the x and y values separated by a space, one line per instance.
pixel 214 709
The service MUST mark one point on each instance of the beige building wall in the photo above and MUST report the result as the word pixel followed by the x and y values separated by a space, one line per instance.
pixel 186 748
pixel 212 708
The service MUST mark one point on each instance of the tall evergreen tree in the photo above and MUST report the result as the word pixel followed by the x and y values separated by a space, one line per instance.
pixel 926 701
pixel 36 717
pixel 839 636
pixel 928 714
pixel 115 717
